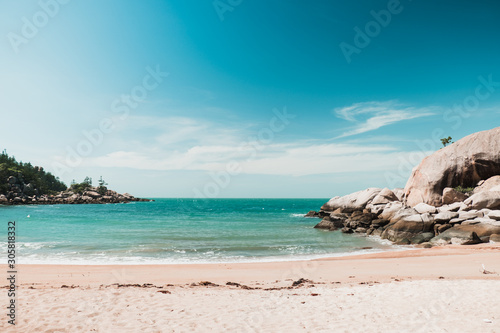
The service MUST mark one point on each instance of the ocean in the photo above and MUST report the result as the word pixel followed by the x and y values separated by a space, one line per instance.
pixel 169 231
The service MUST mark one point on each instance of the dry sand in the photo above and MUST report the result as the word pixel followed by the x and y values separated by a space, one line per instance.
pixel 424 290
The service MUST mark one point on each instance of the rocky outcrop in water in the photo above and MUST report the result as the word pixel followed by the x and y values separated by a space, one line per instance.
pixel 23 183
pixel 23 194
pixel 458 223
pixel 433 208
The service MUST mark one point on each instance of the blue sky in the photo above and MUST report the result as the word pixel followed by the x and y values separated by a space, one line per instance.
pixel 244 98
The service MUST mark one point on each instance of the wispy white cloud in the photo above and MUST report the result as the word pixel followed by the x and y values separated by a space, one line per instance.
pixel 176 132
pixel 178 143
pixel 295 159
pixel 370 116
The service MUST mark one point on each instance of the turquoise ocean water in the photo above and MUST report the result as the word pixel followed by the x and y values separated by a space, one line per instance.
pixel 177 231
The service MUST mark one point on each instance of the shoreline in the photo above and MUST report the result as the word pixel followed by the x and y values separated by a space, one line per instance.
pixel 357 252
pixel 249 260
pixel 450 262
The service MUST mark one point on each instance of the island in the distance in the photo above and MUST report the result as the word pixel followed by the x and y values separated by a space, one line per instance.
pixel 23 184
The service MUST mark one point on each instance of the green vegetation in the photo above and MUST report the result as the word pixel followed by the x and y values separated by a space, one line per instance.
pixel 465 190
pixel 446 141
pixel 81 187
pixel 102 189
pixel 44 182
pixel 86 185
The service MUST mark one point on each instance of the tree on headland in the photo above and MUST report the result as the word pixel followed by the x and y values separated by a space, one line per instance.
pixel 102 182
pixel 88 181
pixel 86 185
pixel 81 187
pixel 446 141
pixel 102 189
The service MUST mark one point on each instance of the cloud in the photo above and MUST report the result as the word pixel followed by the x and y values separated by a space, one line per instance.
pixel 294 159
pixel 177 143
pixel 370 116
pixel 175 132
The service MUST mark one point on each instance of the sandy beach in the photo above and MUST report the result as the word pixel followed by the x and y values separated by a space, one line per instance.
pixel 419 290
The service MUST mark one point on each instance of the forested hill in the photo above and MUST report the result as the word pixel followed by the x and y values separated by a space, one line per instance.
pixel 18 177
pixel 23 184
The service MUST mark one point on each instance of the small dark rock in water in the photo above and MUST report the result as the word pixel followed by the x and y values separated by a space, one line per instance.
pixel 312 213
pixel 331 222
pixel 325 224
pixel 347 230
pixel 366 248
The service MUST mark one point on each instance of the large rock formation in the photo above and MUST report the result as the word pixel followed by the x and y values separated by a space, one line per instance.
pixel 430 210
pixel 469 222
pixel 352 202
pixel 486 199
pixel 491 184
pixel 464 163
pixel 406 229
pixel 450 195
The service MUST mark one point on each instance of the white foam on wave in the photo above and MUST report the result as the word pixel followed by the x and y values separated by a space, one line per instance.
pixel 388 243
pixel 30 245
pixel 133 260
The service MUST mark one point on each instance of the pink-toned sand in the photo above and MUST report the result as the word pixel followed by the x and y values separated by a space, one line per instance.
pixel 423 290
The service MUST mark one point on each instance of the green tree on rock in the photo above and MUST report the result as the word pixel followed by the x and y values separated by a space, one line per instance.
pixel 446 141
pixel 83 186
pixel 102 189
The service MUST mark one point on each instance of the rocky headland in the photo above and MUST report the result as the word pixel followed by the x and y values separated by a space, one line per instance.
pixel 23 184
pixel 22 193
pixel 452 196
